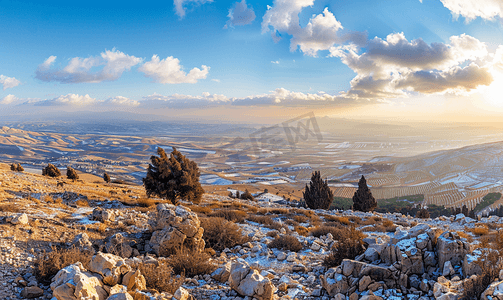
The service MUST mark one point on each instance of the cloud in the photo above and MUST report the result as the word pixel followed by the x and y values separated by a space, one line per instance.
pixel 471 9
pixel 8 82
pixel 320 33
pixel 121 101
pixel 8 99
pixel 81 70
pixel 275 62
pixel 395 66
pixel 169 70
pixel 240 15
pixel 68 100
pixel 181 5
pixel 216 80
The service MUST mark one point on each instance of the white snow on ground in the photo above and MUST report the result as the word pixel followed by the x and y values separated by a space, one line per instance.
pixel 211 179
pixel 232 175
pixel 272 182
pixel 269 197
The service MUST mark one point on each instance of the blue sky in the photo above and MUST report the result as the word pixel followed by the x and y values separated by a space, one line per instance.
pixel 324 54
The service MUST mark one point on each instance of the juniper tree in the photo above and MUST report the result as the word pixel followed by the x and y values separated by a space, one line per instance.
pixel 173 178
pixel 318 194
pixel 363 199
pixel 247 195
pixel 106 177
pixel 71 173
pixel 19 168
pixel 51 171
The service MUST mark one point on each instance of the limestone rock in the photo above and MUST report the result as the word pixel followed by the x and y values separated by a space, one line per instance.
pixel 450 248
pixel 103 215
pixel 222 274
pixel 334 283
pixel 110 266
pixel 74 282
pixel 19 219
pixel 118 245
pixel 120 296
pixel 31 292
pixel 134 281
pixel 174 227
pixel 248 282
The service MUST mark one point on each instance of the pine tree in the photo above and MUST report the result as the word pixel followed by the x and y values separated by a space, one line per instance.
pixel 106 177
pixel 71 173
pixel 363 199
pixel 51 171
pixel 173 178
pixel 318 195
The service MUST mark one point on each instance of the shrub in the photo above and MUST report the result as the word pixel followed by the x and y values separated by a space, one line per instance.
pixel 173 178
pixel 363 199
pixel 48 264
pixel 348 246
pixel 324 230
pixel 16 167
pixel 490 264
pixel 301 230
pixel 286 242
pixel 478 230
pixel 265 220
pixel 247 195
pixel 220 233
pixel 191 263
pixel 318 195
pixel 230 215
pixel 51 171
pixel 160 276
pixel 9 207
pixel 300 218
pixel 200 209
pixel 71 173
pixel 145 202
pixel 423 213
pixel 82 202
pixel 106 178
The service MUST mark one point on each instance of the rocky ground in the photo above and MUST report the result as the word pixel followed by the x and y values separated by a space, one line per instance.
pixel 405 257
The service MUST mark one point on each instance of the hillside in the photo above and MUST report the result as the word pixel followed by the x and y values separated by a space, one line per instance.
pixel 270 250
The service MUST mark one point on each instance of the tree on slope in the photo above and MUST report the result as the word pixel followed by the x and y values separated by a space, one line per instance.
pixel 71 173
pixel 318 194
pixel 51 171
pixel 106 177
pixel 173 178
pixel 363 199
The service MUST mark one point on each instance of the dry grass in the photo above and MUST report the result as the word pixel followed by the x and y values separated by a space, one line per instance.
pixel 286 242
pixel 301 230
pixel 300 218
pixel 279 211
pixel 230 215
pixel 102 228
pixel 9 207
pixel 160 276
pixel 81 202
pixel 478 230
pixel 220 233
pixel 265 220
pixel 342 220
pixel 350 244
pixel 372 220
pixel 191 263
pixel 205 210
pixel 48 264
pixel 324 230
pixel 146 202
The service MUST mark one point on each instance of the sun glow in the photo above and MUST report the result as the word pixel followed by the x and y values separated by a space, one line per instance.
pixel 493 94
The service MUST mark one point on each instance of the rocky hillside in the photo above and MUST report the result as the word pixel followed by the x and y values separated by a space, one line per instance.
pixel 90 240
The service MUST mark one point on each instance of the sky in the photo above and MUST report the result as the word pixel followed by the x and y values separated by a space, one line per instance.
pixel 254 60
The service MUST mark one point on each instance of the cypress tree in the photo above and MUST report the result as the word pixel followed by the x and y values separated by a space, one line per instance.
pixel 318 195
pixel 106 177
pixel 363 199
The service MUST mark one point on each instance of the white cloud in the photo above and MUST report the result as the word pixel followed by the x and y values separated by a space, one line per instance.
pixel 68 100
pixel 216 80
pixel 8 99
pixel 240 15
pixel 169 70
pixel 81 70
pixel 181 5
pixel 319 34
pixel 275 62
pixel 8 82
pixel 123 101
pixel 471 9
pixel 393 67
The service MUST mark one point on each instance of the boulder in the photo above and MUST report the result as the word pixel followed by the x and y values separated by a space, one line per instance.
pixel 134 281
pixel 182 294
pixel 31 292
pixel 450 247
pixel 364 283
pixel 222 274
pixel 118 245
pixel 74 282
pixel 18 219
pixel 103 215
pixel 352 267
pixel 248 282
pixel 110 266
pixel 174 227
pixel 82 242
pixel 334 283
pixel 371 254
pixel 470 266
pixel 448 269
pixel 120 296
pixel 375 272
pixel 494 290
